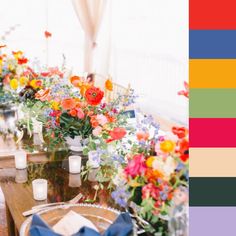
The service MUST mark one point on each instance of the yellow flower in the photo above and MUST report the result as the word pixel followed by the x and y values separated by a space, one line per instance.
pixel 35 83
pixel 55 105
pixel 23 80
pixel 14 84
pixel 149 161
pixel 167 146
pixel 17 54
pixel 109 85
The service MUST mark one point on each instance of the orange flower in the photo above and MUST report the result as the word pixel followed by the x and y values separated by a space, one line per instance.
pixel 94 121
pixel 47 34
pixel 68 103
pixel 73 112
pixel 152 175
pixel 76 81
pixel 142 136
pixel 167 146
pixel 43 95
pixel 109 85
pixel 149 161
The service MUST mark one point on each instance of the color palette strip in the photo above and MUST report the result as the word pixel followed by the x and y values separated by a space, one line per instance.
pixel 212 221
pixel 212 132
pixel 213 162
pixel 212 53
pixel 212 73
pixel 212 14
pixel 212 44
pixel 212 103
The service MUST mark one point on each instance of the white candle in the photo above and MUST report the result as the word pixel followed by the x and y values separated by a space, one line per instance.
pixel 40 189
pixel 74 180
pixel 21 176
pixel 20 159
pixel 93 159
pixel 74 164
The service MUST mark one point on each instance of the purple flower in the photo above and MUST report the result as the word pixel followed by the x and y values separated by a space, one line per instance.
pixel 121 196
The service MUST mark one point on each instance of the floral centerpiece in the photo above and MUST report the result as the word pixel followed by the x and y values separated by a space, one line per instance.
pixel 155 179
pixel 78 111
pixel 12 69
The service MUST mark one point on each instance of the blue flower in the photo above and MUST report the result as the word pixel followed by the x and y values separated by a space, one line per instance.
pixel 121 196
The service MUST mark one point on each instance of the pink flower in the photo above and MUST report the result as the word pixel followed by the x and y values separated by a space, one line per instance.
pixel 150 190
pixel 136 166
pixel 80 113
pixel 97 131
pixel 102 120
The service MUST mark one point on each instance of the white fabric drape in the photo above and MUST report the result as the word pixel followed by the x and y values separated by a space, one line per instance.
pixel 90 14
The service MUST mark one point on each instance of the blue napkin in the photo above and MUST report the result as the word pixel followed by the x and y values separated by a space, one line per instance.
pixel 121 227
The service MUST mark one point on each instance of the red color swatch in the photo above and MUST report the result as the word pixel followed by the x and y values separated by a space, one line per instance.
pixel 212 14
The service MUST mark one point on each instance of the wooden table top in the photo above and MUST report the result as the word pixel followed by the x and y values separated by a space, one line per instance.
pixel 62 186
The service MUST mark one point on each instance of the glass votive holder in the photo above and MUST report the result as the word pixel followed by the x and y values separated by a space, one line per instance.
pixel 40 189
pixel 93 159
pixel 75 164
pixel 21 176
pixel 92 175
pixel 20 159
pixel 74 180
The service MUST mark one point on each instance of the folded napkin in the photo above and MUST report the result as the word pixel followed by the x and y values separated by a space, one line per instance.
pixel 121 227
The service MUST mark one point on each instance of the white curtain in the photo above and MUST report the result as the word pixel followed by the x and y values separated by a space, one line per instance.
pixel 90 14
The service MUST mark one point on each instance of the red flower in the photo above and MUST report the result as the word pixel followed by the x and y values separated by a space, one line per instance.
pixel 184 150
pixel 116 134
pixel 94 96
pixel 47 34
pixel 22 60
pixel 181 132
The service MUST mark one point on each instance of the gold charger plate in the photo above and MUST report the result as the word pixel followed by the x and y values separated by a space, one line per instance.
pixel 101 217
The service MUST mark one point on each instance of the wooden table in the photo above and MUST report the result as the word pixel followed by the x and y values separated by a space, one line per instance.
pixel 19 196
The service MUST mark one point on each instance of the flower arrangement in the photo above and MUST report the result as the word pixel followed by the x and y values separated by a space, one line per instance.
pixel 156 171
pixel 12 69
pixel 78 109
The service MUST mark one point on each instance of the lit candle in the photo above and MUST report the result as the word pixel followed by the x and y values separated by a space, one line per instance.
pixel 20 159
pixel 93 159
pixel 74 180
pixel 21 176
pixel 74 164
pixel 40 189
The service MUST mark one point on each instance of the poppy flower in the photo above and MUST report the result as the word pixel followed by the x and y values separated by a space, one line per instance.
pixel 94 96
pixel 181 132
pixel 68 103
pixel 22 60
pixel 47 34
pixel 184 150
pixel 109 85
pixel 116 134
pixel 76 81
pixel 167 146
